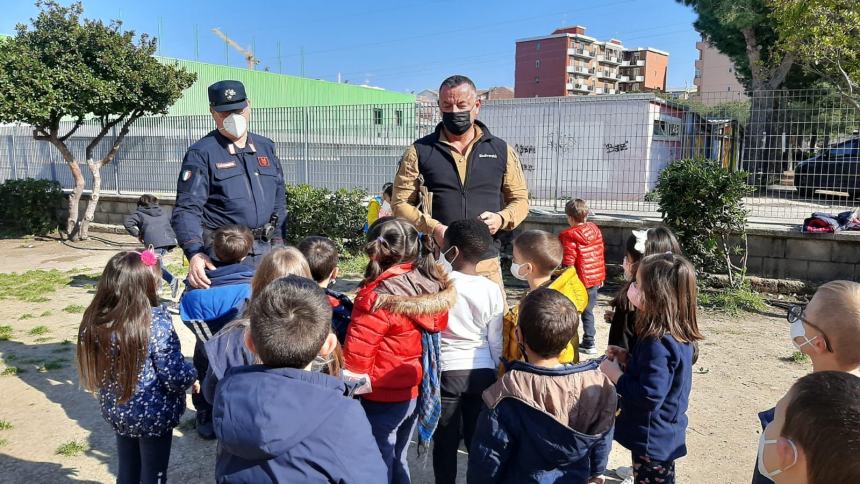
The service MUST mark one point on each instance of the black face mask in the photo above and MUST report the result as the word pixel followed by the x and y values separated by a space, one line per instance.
pixel 457 123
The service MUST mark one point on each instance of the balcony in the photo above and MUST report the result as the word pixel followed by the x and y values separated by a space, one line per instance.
pixel 580 70
pixel 608 59
pixel 575 86
pixel 580 53
pixel 632 79
pixel 624 78
pixel 632 63
pixel 607 75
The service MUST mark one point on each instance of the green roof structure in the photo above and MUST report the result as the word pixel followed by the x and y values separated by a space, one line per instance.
pixel 272 90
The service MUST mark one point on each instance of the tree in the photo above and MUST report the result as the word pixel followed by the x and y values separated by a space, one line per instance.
pixel 824 38
pixel 68 69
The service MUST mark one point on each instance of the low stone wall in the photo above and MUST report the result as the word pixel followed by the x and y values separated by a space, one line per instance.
pixel 113 209
pixel 775 252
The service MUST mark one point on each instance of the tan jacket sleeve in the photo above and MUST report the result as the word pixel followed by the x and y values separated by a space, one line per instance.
pixel 515 193
pixel 404 196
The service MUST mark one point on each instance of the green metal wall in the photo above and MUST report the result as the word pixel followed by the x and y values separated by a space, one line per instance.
pixel 269 90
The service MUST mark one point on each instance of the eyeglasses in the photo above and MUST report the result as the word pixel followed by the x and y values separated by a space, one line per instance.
pixel 795 315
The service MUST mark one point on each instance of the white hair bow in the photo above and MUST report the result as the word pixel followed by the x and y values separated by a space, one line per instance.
pixel 641 237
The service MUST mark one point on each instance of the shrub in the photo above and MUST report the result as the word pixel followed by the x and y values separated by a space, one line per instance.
pixel 338 215
pixel 703 204
pixel 30 207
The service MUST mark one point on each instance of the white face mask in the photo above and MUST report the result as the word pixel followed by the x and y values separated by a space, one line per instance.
pixel 634 295
pixel 443 261
pixel 798 331
pixel 236 125
pixel 762 442
pixel 515 271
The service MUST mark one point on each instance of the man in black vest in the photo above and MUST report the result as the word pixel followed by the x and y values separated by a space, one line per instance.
pixel 470 172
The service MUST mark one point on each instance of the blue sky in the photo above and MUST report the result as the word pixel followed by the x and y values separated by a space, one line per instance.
pixel 400 45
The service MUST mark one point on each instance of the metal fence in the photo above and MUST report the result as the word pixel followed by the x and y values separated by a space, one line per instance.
pixel 800 148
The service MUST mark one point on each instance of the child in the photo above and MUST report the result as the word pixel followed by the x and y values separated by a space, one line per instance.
pixel 537 255
pixel 828 331
pixel 322 257
pixel 152 227
pixel 622 316
pixel 471 345
pixel 545 421
pixel 206 311
pixel 583 249
pixel 815 435
pixel 227 348
pixel 128 352
pixel 404 298
pixel 379 206
pixel 280 421
pixel 655 387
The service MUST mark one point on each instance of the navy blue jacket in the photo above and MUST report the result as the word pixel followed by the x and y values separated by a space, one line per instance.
pixel 544 425
pixel 655 391
pixel 291 425
pixel 765 418
pixel 224 301
pixel 341 313
pixel 221 184
pixel 151 224
pixel 224 351
pixel 159 398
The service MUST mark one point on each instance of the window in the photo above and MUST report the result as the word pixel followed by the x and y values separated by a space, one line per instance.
pixel 666 129
pixel 377 116
pixel 537 46
pixel 537 64
pixel 537 79
pixel 398 118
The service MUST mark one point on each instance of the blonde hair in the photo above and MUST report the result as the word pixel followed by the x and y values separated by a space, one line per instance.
pixel 839 319
pixel 279 262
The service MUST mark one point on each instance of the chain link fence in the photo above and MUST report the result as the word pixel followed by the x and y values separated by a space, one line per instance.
pixel 801 149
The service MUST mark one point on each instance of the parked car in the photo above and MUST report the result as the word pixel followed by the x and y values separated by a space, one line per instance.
pixel 835 168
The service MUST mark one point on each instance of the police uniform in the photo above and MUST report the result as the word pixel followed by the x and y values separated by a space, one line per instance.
pixel 222 184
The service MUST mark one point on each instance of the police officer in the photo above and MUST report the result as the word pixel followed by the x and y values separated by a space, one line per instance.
pixel 230 176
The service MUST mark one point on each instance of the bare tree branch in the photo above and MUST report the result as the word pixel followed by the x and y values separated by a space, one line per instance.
pixel 779 74
pixel 78 123
pixel 105 128
pixel 122 132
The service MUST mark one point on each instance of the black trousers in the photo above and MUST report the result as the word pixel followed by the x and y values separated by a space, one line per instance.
pixel 143 459
pixel 201 364
pixel 461 404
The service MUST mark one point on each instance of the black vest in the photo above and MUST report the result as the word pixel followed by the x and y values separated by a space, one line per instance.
pixel 485 170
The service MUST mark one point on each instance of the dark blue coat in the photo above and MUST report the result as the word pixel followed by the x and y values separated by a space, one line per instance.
pixel 151 224
pixel 224 351
pixel 220 184
pixel 514 442
pixel 341 313
pixel 765 418
pixel 159 398
pixel 655 391
pixel 290 425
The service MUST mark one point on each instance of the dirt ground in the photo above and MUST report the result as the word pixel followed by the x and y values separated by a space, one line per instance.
pixel 745 366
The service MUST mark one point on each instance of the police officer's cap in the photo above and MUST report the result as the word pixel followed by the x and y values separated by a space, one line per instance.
pixel 227 96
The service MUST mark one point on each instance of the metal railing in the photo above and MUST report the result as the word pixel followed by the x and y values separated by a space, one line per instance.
pixel 800 148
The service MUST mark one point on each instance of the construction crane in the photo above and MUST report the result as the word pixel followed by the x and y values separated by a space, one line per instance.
pixel 249 56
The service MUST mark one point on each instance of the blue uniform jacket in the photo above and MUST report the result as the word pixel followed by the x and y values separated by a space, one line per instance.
pixel 224 301
pixel 159 398
pixel 220 184
pixel 544 425
pixel 291 425
pixel 655 391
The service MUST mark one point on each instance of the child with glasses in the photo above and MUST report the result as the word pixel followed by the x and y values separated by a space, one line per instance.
pixel 828 331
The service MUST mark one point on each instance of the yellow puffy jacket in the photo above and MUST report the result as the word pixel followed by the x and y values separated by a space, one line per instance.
pixel 568 283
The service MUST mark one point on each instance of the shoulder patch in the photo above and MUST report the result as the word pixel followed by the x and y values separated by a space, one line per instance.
pixel 186 175
pixel 263 161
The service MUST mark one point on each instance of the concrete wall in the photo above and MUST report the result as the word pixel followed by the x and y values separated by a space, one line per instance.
pixel 113 209
pixel 774 252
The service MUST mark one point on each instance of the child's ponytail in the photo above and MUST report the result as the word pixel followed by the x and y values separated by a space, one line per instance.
pixel 392 241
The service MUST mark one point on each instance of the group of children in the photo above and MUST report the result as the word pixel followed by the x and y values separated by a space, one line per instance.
pixel 306 386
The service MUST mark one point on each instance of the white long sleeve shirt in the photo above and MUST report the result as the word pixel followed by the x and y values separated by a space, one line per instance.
pixel 473 338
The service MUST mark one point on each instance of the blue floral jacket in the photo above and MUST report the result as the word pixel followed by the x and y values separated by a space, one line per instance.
pixel 159 399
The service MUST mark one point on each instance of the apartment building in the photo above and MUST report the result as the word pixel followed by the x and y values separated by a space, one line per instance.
pixel 715 76
pixel 570 63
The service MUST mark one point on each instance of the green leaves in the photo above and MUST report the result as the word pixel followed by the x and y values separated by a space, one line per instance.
pixel 338 215
pixel 703 204
pixel 62 66
pixel 30 207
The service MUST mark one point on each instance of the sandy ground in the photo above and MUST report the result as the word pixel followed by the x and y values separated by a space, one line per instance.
pixel 744 367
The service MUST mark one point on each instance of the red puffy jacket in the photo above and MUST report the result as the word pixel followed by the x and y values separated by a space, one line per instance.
pixel 583 249
pixel 384 337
